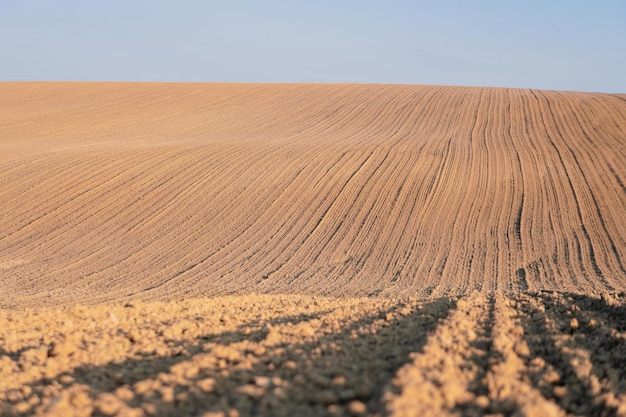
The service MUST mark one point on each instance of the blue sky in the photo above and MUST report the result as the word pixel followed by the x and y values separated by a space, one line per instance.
pixel 549 44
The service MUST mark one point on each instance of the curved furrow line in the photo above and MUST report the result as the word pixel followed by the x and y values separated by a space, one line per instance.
pixel 609 108
pixel 252 116
pixel 253 243
pixel 328 130
pixel 384 210
pixel 311 112
pixel 421 249
pixel 48 217
pixel 521 150
pixel 591 132
pixel 514 269
pixel 434 233
pixel 365 152
pixel 469 200
pixel 198 251
pixel 70 249
pixel 155 199
pixel 15 170
pixel 617 178
pixel 325 223
pixel 498 167
pixel 358 127
pixel 565 191
pixel 291 223
pixel 452 195
pixel 54 178
pixel 532 265
pixel 604 124
pixel 231 270
pixel 425 210
pixel 583 204
pixel 591 184
pixel 94 185
pixel 356 238
pixel 500 212
pixel 338 109
pixel 424 172
pixel 496 164
pixel 532 172
pixel 311 245
pixel 363 203
pixel 392 217
pixel 173 162
pixel 225 259
pixel 399 228
pixel 380 120
pixel 611 242
pixel 446 202
pixel 496 207
pixel 360 241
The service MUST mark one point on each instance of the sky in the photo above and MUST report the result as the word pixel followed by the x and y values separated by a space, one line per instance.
pixel 577 45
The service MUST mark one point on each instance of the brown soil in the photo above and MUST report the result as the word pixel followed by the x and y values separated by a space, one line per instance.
pixel 249 249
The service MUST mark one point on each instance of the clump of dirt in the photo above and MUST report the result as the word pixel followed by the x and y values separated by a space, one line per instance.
pixel 540 354
pixel 253 355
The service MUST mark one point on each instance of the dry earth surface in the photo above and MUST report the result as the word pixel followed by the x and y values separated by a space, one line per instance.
pixel 303 249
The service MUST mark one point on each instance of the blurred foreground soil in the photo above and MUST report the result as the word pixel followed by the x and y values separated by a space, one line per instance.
pixel 535 354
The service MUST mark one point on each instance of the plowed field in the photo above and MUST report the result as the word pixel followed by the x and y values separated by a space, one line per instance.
pixel 304 249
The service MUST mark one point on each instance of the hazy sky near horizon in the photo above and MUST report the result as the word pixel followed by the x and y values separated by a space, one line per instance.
pixel 550 44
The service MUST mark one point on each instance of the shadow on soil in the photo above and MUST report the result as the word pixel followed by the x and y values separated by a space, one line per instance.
pixel 588 353
pixel 338 367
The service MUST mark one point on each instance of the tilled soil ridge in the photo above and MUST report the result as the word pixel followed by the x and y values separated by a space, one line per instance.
pixel 131 191
pixel 534 354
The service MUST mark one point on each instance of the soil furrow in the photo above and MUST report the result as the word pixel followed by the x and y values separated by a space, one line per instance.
pixel 472 239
